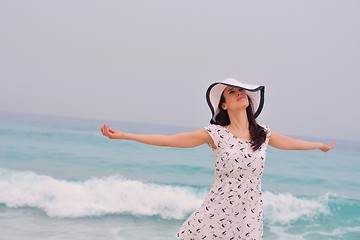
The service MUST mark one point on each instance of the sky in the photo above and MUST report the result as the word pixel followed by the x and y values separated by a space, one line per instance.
pixel 152 61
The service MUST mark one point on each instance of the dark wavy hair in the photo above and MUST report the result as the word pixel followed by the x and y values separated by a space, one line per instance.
pixel 257 132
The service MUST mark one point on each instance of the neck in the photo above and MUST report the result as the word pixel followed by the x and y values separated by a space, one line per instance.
pixel 239 120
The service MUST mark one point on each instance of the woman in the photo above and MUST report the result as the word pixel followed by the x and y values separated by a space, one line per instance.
pixel 233 207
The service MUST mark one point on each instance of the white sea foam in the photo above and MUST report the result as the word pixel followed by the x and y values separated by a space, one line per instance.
pixel 116 195
pixel 95 197
pixel 340 231
pixel 285 208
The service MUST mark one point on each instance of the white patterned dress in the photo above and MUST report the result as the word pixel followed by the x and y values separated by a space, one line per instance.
pixel 233 208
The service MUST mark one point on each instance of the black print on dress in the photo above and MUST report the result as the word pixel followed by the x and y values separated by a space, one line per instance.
pixel 233 208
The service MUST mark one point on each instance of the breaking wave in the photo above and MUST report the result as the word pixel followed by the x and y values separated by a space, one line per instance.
pixel 117 195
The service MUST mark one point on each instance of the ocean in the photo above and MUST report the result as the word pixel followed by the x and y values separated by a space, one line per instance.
pixel 61 179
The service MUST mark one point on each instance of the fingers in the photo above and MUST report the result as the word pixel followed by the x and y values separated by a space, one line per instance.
pixel 105 130
pixel 102 129
pixel 328 147
pixel 332 145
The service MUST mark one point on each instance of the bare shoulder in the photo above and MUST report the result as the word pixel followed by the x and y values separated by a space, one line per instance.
pixel 276 138
pixel 205 135
pixel 201 133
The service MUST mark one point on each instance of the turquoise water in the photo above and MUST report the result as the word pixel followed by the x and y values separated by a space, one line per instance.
pixel 60 179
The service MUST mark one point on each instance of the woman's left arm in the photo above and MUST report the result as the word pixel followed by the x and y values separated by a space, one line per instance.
pixel 286 143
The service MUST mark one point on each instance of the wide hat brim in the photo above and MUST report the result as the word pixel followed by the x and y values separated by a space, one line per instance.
pixel 214 91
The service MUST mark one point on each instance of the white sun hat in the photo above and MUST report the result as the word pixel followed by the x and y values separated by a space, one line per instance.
pixel 213 95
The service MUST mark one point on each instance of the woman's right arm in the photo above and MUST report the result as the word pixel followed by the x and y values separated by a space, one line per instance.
pixel 179 140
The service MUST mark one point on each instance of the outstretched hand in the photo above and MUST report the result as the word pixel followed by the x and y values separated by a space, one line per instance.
pixel 326 148
pixel 111 134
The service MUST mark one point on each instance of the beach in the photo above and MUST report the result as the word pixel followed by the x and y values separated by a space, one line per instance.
pixel 61 179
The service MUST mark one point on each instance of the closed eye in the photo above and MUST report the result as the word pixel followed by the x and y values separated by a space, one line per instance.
pixel 231 91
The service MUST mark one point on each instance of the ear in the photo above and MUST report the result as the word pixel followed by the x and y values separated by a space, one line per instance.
pixel 223 106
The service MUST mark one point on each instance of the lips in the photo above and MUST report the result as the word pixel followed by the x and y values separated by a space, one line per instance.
pixel 240 98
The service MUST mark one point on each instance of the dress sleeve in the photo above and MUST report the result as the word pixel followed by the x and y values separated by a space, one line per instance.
pixel 268 132
pixel 212 130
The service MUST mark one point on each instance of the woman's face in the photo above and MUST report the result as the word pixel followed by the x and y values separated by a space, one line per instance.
pixel 235 98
